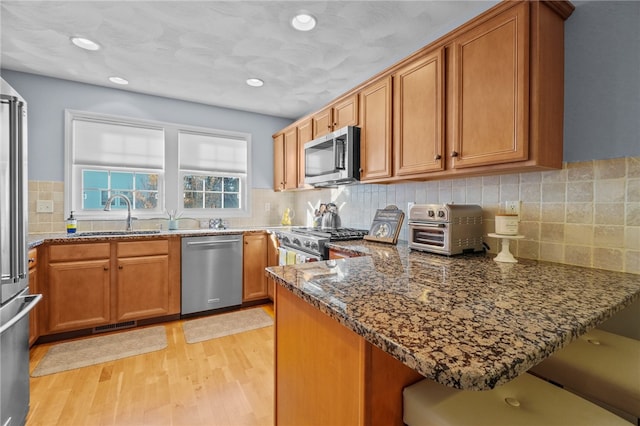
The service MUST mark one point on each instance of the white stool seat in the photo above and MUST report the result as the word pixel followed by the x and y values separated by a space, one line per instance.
pixel 526 400
pixel 599 365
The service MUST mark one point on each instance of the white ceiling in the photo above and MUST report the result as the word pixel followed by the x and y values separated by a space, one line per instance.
pixel 203 51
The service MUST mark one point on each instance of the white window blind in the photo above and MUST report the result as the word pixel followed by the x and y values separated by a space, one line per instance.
pixel 99 143
pixel 212 153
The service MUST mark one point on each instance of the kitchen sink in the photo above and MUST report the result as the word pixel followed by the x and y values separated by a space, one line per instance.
pixel 112 233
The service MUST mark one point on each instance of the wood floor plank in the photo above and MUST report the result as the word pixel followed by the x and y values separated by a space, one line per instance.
pixel 226 381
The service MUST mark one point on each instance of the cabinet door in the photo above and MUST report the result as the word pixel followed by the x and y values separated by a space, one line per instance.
pixel 305 134
pixel 291 158
pixel 254 282
pixel 278 162
pixel 375 133
pixel 322 122
pixel 345 113
pixel 418 126
pixel 142 287
pixel 320 367
pixel 491 91
pixel 78 295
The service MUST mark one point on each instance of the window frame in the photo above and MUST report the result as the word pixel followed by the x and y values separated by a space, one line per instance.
pixel 170 193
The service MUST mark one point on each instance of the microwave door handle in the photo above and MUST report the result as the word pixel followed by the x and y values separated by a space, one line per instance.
pixel 338 150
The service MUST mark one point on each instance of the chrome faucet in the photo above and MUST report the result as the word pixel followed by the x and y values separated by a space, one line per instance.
pixel 107 207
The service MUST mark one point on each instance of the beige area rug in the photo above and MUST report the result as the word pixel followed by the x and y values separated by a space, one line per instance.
pixel 94 350
pixel 225 324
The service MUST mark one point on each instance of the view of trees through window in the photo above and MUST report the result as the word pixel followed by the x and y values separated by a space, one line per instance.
pixel 98 185
pixel 211 192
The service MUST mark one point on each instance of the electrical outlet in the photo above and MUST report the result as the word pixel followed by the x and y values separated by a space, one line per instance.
pixel 409 205
pixel 512 207
pixel 44 206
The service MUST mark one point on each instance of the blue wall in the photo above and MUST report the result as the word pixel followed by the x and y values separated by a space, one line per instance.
pixel 602 81
pixel 47 99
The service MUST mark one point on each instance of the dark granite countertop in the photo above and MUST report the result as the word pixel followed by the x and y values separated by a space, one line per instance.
pixel 465 321
pixel 35 240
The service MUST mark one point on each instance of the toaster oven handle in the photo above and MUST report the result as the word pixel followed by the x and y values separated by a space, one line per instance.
pixel 428 225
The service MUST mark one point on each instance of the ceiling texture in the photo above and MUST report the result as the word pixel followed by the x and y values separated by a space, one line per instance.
pixel 203 51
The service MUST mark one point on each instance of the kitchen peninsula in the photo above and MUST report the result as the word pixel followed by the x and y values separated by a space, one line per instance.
pixel 391 315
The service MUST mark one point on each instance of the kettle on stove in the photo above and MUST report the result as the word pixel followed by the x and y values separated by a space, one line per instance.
pixel 330 218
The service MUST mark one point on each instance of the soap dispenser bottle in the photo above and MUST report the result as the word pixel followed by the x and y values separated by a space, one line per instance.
pixel 72 224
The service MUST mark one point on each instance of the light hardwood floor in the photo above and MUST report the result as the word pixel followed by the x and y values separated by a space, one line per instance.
pixel 226 381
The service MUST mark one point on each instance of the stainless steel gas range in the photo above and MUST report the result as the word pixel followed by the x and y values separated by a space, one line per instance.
pixel 299 245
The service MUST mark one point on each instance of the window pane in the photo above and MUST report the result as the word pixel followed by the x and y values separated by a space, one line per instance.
pixel 231 184
pixel 148 181
pixel 193 183
pixel 95 179
pixel 146 200
pixel 121 180
pixel 193 200
pixel 119 203
pixel 231 201
pixel 92 199
pixel 213 183
pixel 213 201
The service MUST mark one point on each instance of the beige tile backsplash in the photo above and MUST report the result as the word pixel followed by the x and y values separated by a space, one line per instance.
pixel 586 214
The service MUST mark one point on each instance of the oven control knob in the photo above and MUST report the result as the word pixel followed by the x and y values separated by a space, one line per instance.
pixel 296 241
pixel 314 246
pixel 440 213
pixel 307 243
pixel 285 239
pixel 431 213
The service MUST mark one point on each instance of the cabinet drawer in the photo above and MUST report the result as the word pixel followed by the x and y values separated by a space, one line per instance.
pixel 142 248
pixel 66 252
pixel 33 258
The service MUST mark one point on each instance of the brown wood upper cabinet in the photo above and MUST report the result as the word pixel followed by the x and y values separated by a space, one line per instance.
pixel 486 98
pixel 375 133
pixel 336 116
pixel 285 159
pixel 305 134
pixel 490 101
pixel 418 115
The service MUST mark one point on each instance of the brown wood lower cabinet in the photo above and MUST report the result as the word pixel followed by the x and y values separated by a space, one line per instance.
pixel 82 292
pixel 143 289
pixel 255 257
pixel 77 291
pixel 327 374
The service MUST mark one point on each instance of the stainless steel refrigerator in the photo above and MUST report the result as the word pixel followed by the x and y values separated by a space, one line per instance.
pixel 16 302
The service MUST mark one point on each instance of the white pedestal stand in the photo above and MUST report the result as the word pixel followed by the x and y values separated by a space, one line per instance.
pixel 505 255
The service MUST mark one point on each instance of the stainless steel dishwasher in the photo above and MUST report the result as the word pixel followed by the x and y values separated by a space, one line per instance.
pixel 211 272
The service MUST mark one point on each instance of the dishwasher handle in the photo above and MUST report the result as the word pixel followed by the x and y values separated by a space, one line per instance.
pixel 34 299
pixel 211 243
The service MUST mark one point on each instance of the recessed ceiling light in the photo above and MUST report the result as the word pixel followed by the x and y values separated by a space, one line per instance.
pixel 303 22
pixel 118 80
pixel 85 43
pixel 255 82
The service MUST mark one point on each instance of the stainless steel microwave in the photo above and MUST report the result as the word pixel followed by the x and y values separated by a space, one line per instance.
pixel 333 159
